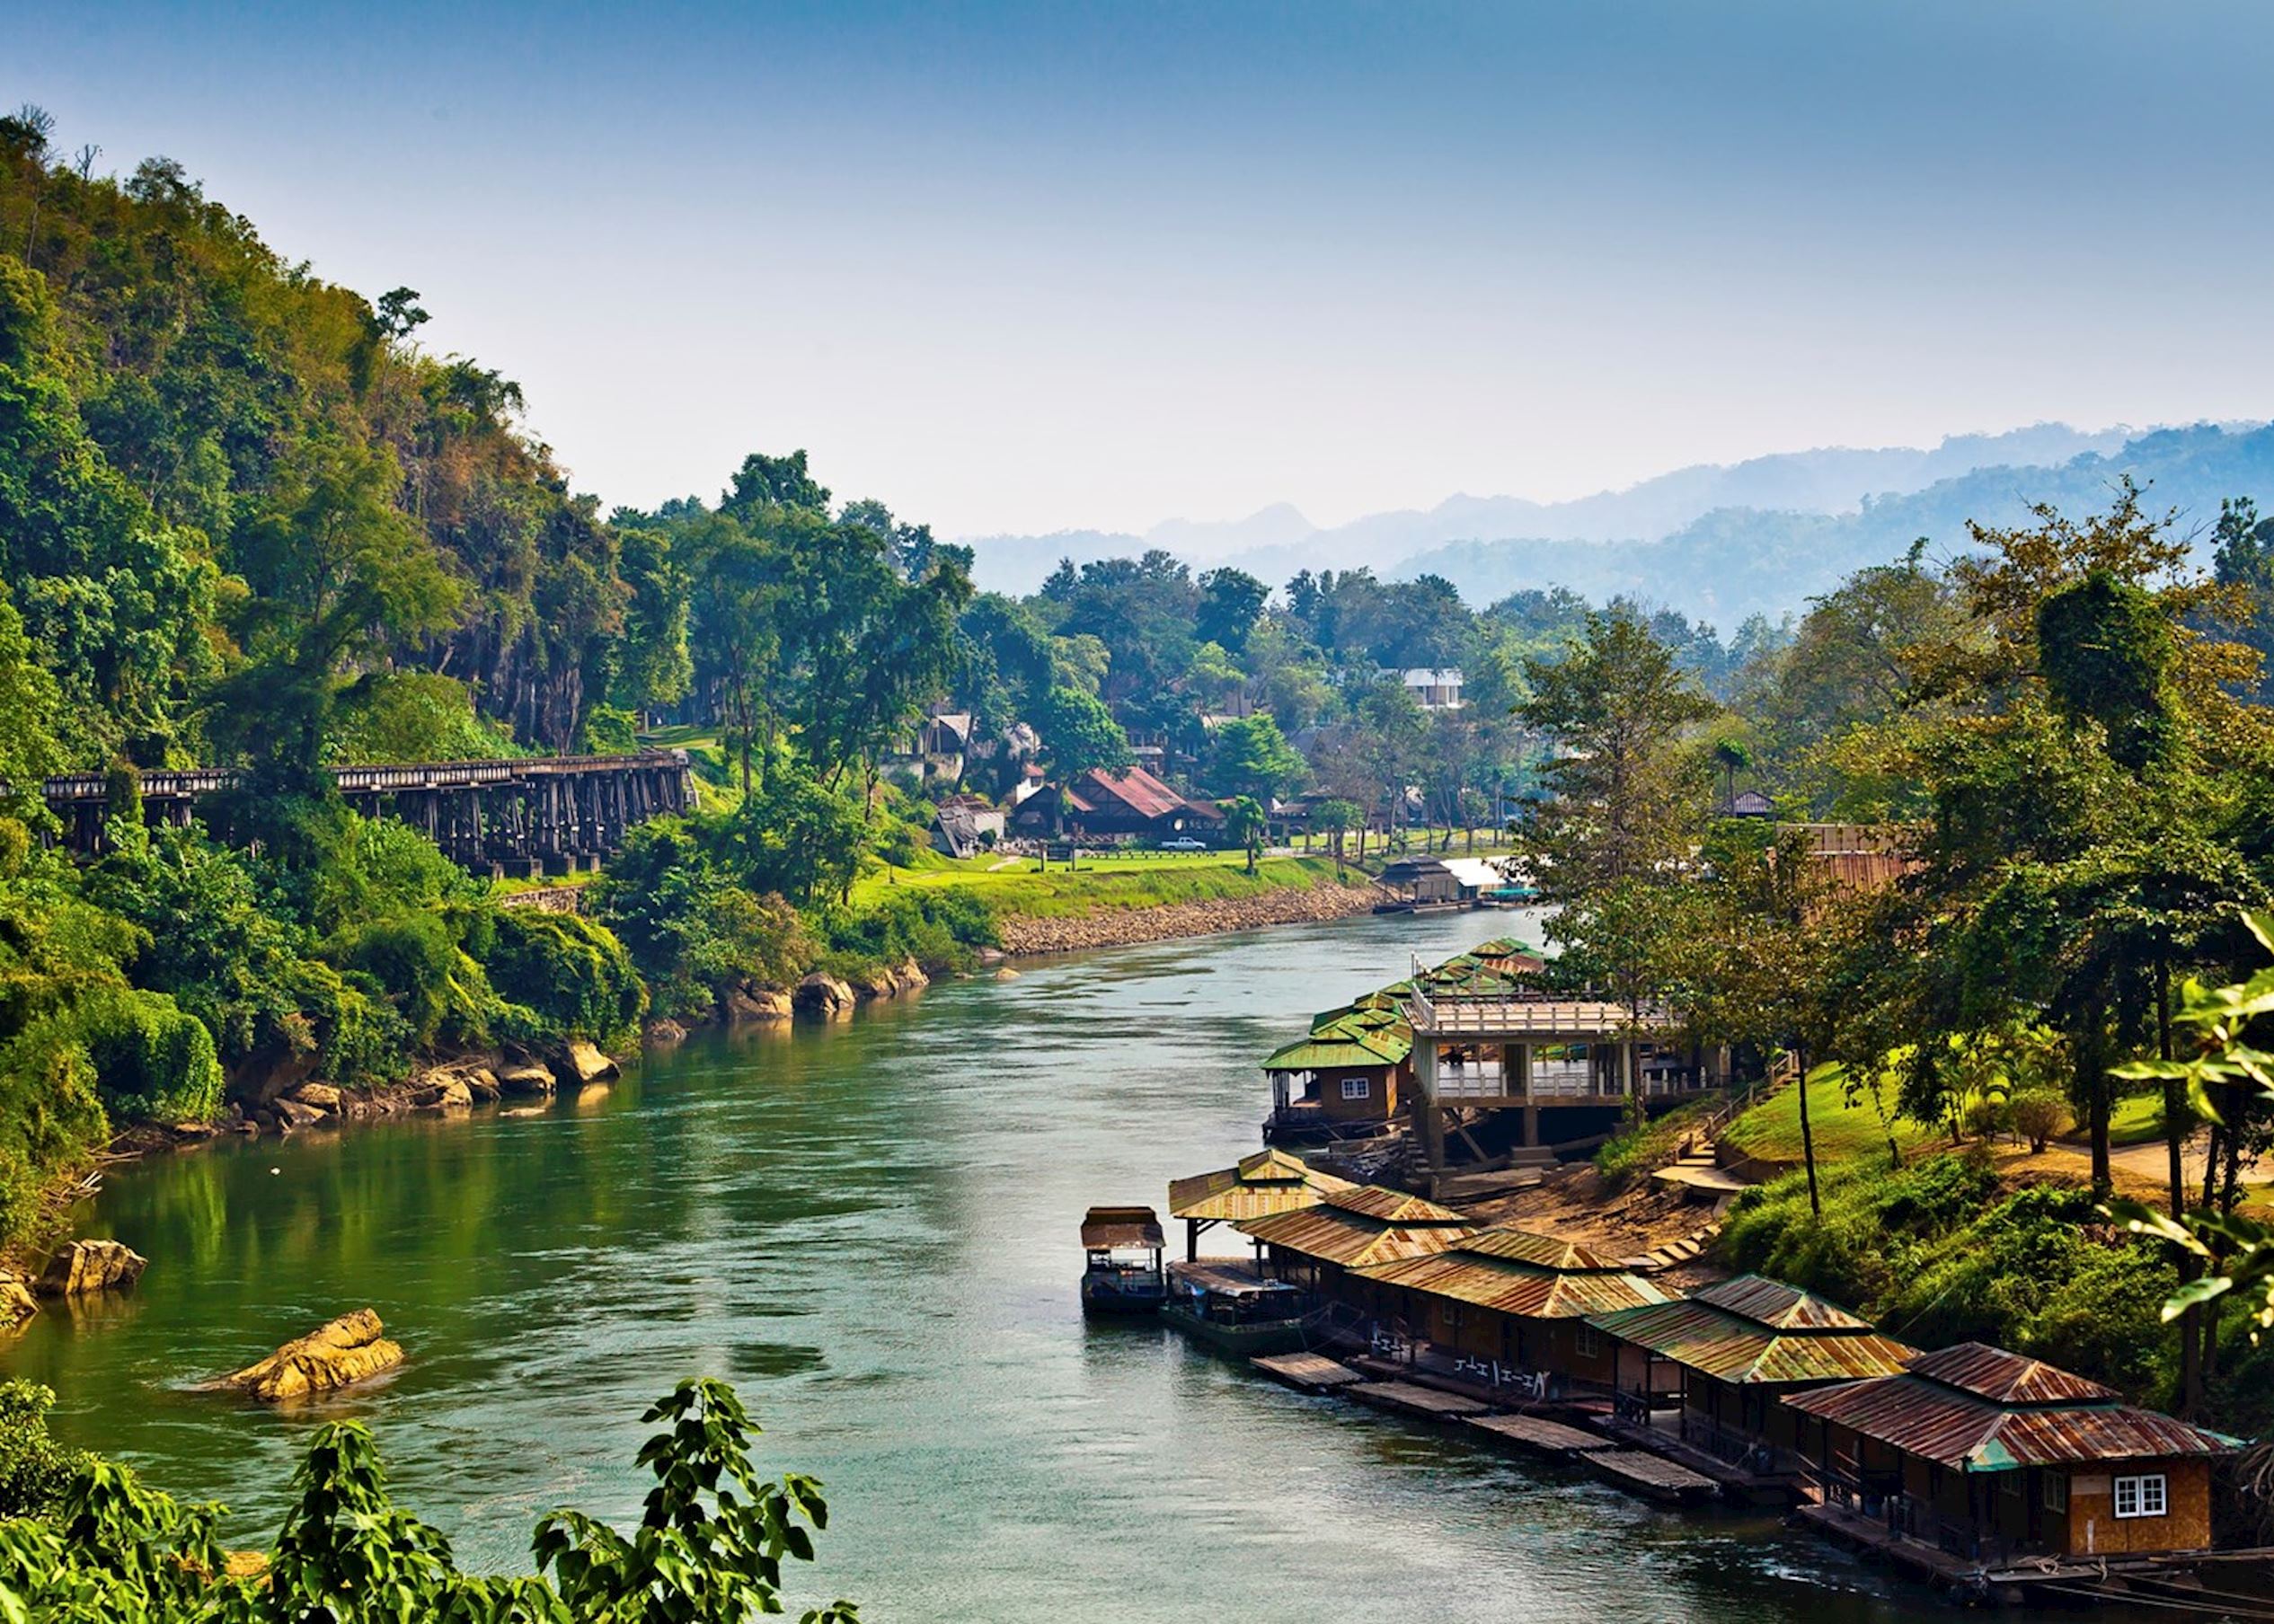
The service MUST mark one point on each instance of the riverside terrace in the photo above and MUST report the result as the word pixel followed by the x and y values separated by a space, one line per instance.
pixel 1985 1472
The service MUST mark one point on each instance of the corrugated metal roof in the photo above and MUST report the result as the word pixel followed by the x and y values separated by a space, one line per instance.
pixel 1541 1251
pixel 1270 1181
pixel 1698 1334
pixel 1332 1235
pixel 1937 1422
pixel 2014 1380
pixel 1779 1306
pixel 1326 1054
pixel 1118 1226
pixel 1392 1207
pixel 1507 1286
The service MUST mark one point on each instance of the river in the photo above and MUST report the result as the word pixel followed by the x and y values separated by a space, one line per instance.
pixel 870 1228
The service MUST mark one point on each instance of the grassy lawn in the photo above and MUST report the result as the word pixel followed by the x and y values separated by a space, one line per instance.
pixel 1104 882
pixel 1771 1129
pixel 2135 1121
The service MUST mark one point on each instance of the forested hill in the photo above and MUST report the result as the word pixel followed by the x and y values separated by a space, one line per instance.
pixel 1736 561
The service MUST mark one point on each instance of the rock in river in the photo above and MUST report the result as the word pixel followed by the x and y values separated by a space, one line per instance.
pixel 91 1265
pixel 750 1001
pixel 317 1096
pixel 349 1349
pixel 529 1079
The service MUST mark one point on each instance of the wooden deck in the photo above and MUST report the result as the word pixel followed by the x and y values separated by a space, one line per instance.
pixel 1651 1476
pixel 1540 1435
pixel 1313 1373
pixel 1408 1399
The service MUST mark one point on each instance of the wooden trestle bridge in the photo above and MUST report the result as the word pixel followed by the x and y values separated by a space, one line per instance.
pixel 536 815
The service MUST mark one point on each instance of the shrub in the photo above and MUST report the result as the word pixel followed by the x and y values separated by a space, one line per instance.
pixel 153 1061
pixel 34 1467
pixel 414 716
pixel 939 929
pixel 572 974
pixel 50 1116
pixel 414 960
pixel 690 930
pixel 2040 1116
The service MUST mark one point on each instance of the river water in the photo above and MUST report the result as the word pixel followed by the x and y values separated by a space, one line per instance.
pixel 870 1228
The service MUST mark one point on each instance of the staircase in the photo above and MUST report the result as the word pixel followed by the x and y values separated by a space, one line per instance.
pixel 1696 1166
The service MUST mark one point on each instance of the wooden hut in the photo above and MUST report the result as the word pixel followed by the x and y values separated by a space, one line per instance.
pixel 1121 1248
pixel 1509 1297
pixel 1270 1181
pixel 1991 1456
pixel 1726 1356
pixel 1319 1246
pixel 1345 1077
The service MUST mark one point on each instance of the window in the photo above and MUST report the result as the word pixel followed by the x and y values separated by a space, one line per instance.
pixel 2056 1491
pixel 2141 1497
pixel 1357 1088
pixel 1590 1342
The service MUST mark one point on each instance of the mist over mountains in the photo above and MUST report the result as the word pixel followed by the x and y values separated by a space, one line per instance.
pixel 1718 542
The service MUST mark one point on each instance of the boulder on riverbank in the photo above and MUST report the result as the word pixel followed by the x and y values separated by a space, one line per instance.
pixel 580 1062
pixel 821 994
pixel 443 1092
pixel 17 1304
pixel 526 1078
pixel 91 1265
pixel 751 1001
pixel 347 1350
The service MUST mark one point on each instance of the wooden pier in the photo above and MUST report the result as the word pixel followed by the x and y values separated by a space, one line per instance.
pixel 1412 1399
pixel 1311 1372
pixel 1540 1435
pixel 1653 1477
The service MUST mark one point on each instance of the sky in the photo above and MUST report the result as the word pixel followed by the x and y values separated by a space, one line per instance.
pixel 1023 269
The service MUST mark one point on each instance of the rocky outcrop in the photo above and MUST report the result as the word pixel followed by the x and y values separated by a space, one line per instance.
pixel 317 1095
pixel 349 1349
pixel 443 1092
pixel 17 1304
pixel 907 976
pixel 751 1001
pixel 578 1063
pixel 91 1265
pixel 526 1078
pixel 877 981
pixel 1114 927
pixel 823 994
pixel 482 1082
pixel 291 1114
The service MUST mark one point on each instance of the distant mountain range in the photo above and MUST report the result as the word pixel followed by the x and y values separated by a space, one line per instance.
pixel 1717 541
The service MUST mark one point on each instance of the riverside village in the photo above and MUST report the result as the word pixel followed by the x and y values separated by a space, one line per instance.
pixel 999 814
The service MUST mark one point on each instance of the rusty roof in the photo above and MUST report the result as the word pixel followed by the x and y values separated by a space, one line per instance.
pixel 1958 1429
pixel 1508 1285
pixel 1541 1251
pixel 1333 1233
pixel 1392 1207
pixel 1780 1307
pixel 1105 1227
pixel 1700 1335
pixel 1227 1277
pixel 2014 1380
pixel 1270 1181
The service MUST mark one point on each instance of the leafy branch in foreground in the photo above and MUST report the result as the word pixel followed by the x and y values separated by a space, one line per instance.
pixel 2236 1252
pixel 708 1549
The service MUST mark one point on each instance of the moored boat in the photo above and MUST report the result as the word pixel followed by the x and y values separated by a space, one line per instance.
pixel 1225 1303
pixel 1122 1247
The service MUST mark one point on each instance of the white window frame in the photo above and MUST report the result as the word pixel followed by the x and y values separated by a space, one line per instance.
pixel 1357 1088
pixel 2143 1495
pixel 1587 1341
pixel 2056 1491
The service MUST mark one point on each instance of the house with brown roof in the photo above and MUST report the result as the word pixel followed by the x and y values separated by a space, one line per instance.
pixel 1725 1358
pixel 1320 1246
pixel 1255 1187
pixel 1508 1296
pixel 1994 1457
pixel 1131 802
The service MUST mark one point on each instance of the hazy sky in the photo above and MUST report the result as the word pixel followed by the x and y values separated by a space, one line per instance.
pixel 1031 268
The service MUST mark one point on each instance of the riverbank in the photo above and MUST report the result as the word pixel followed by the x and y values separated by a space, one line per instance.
pixel 1111 926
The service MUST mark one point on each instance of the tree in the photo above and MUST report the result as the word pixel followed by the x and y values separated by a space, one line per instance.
pixel 1245 825
pixel 1249 756
pixel 1231 603
pixel 1624 801
pixel 1334 817
pixel 1079 733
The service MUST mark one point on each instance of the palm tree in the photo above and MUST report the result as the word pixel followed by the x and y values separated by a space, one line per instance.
pixel 1732 758
pixel 1245 822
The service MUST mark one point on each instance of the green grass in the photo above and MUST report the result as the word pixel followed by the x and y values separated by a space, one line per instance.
pixel 1771 1130
pixel 2138 1120
pixel 1104 882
